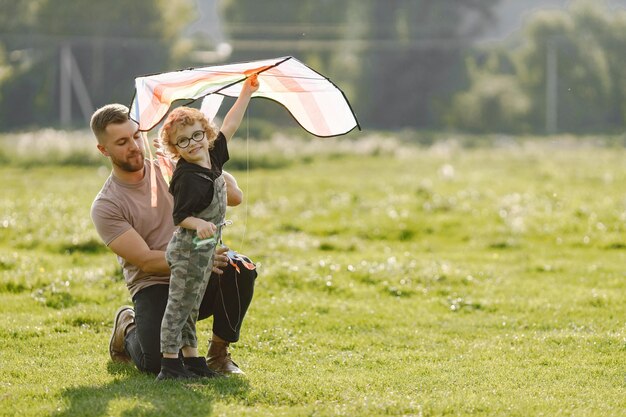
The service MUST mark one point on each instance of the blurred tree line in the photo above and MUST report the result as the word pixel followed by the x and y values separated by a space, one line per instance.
pixel 402 63
pixel 564 72
pixel 399 61
pixel 110 41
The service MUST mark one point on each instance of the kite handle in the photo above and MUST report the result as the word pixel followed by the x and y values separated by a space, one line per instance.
pixel 201 242
pixel 212 240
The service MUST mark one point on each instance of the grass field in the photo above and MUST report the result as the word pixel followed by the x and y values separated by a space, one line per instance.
pixel 423 281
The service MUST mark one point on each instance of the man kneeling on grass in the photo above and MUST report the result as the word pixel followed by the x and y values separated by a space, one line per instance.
pixel 139 234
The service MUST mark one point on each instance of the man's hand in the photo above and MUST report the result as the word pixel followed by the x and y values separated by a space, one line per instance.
pixel 157 146
pixel 220 259
pixel 234 195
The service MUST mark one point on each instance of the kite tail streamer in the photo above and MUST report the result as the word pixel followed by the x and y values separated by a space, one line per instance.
pixel 153 183
pixel 167 169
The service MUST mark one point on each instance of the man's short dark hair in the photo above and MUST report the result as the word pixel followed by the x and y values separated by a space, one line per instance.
pixel 104 116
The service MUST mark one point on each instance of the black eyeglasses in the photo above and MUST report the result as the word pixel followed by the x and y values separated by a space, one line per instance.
pixel 196 136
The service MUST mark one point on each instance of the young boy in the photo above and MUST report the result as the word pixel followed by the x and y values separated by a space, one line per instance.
pixel 199 194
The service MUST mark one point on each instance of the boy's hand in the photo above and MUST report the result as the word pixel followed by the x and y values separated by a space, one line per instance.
pixel 251 84
pixel 205 229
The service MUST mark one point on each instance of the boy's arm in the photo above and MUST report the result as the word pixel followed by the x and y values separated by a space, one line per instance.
pixel 233 118
pixel 203 228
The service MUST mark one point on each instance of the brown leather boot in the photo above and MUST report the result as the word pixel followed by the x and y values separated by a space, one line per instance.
pixel 218 359
pixel 123 322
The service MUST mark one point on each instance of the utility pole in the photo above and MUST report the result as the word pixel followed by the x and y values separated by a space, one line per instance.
pixel 66 84
pixel 552 81
pixel 71 78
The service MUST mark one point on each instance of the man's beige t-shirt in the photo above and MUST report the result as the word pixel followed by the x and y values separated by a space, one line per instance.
pixel 120 206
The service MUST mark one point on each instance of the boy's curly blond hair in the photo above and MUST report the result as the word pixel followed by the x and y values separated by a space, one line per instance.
pixel 184 116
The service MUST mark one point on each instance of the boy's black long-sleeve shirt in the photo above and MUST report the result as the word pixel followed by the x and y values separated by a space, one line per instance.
pixel 192 185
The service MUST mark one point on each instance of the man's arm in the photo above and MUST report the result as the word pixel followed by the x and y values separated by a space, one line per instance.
pixel 233 118
pixel 130 246
pixel 234 195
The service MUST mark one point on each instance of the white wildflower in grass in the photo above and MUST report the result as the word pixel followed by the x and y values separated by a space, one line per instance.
pixel 512 211
pixel 447 172
pixel 52 147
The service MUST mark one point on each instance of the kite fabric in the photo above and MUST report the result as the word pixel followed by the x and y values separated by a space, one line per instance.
pixel 312 99
pixel 211 105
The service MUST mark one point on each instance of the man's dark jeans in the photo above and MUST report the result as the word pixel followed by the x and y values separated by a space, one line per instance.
pixel 228 308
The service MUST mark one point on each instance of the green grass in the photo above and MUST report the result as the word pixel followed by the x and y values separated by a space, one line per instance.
pixel 431 281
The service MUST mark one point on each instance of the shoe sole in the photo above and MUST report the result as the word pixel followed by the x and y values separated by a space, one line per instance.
pixel 115 323
pixel 226 373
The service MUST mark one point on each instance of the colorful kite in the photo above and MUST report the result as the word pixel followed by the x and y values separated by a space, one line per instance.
pixel 312 99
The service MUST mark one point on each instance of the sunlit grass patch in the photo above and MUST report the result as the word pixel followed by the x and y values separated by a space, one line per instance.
pixel 393 280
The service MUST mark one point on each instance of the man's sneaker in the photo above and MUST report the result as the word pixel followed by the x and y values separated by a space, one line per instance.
pixel 199 367
pixel 173 368
pixel 218 359
pixel 124 320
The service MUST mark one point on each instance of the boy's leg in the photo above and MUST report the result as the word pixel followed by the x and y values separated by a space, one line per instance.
pixel 143 342
pixel 193 361
pixel 189 335
pixel 178 326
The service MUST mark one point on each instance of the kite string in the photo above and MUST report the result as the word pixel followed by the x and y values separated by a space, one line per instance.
pixel 243 235
pixel 246 196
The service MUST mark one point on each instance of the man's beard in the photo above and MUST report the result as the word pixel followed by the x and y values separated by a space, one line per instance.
pixel 129 166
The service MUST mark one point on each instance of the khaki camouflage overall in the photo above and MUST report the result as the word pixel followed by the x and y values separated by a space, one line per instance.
pixel 191 269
